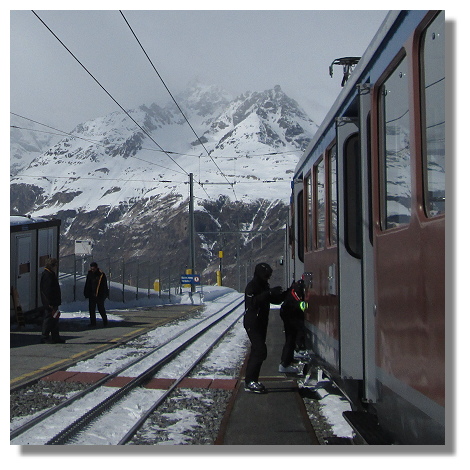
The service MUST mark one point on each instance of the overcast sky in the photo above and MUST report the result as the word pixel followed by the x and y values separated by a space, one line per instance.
pixel 243 50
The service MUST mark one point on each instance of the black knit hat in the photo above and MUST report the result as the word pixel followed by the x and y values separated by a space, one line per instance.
pixel 263 271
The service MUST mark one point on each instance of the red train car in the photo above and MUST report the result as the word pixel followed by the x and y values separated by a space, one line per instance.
pixel 368 231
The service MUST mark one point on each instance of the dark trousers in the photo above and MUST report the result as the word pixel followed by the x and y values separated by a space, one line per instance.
pixel 50 325
pixel 290 331
pixel 94 302
pixel 256 329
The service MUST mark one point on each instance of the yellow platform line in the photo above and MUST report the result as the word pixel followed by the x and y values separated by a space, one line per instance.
pixel 90 351
pixel 87 352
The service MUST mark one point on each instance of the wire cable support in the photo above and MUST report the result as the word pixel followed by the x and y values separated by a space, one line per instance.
pixel 174 100
pixel 109 94
pixel 64 133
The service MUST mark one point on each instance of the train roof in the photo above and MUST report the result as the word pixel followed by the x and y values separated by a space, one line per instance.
pixel 24 219
pixel 350 85
pixel 24 222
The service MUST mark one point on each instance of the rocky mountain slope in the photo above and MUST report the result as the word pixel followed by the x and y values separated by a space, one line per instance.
pixel 126 185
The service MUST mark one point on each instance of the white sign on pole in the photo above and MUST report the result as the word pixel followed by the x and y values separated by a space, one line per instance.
pixel 83 247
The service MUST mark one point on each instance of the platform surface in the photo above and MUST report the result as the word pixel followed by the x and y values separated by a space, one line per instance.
pixel 277 417
pixel 29 359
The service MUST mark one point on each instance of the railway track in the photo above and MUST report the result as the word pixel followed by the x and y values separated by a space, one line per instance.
pixel 79 419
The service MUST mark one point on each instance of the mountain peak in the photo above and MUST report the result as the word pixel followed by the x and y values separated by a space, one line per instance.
pixel 110 161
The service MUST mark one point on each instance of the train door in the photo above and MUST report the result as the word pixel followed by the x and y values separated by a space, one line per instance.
pixel 23 273
pixel 350 249
pixel 368 300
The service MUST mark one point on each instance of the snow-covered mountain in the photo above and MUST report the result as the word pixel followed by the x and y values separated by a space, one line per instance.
pixel 27 141
pixel 120 179
pixel 110 160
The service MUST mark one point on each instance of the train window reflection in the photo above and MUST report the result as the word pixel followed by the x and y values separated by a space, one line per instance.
pixel 300 226
pixel 309 210
pixel 433 81
pixel 320 204
pixel 395 118
pixel 333 198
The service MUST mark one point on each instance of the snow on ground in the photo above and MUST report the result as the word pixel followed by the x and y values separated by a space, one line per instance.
pixel 332 407
pixel 229 353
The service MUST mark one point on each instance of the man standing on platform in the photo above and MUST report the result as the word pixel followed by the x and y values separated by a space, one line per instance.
pixel 96 291
pixel 258 297
pixel 51 299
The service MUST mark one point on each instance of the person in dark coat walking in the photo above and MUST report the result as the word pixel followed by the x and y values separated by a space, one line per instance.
pixel 51 299
pixel 96 291
pixel 258 297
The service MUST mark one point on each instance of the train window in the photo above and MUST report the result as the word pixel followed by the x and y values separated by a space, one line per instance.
pixel 395 148
pixel 352 203
pixel 333 198
pixel 320 204
pixel 309 212
pixel 433 86
pixel 300 225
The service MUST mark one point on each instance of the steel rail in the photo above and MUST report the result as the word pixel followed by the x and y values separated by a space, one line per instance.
pixel 36 420
pixel 68 433
pixel 162 398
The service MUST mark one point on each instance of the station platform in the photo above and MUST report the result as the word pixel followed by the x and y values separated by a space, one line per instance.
pixel 274 418
pixel 30 360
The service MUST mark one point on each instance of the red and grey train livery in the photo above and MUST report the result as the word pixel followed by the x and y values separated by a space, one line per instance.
pixel 367 231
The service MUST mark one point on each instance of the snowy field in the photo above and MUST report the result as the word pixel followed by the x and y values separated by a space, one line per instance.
pixel 230 350
pixel 227 355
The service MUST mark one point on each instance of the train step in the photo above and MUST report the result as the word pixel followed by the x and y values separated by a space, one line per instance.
pixel 367 428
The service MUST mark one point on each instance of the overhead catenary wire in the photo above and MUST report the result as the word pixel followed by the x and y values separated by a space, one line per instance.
pixel 64 133
pixel 69 134
pixel 231 184
pixel 177 105
pixel 137 180
pixel 97 179
pixel 107 92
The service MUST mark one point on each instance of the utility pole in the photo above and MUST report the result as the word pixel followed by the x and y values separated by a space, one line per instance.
pixel 192 254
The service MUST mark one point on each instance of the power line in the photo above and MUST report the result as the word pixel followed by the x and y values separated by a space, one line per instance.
pixel 106 91
pixel 231 184
pixel 38 130
pixel 250 182
pixel 261 154
pixel 97 179
pixel 177 105
pixel 109 94
pixel 88 140
pixel 65 134
pixel 139 180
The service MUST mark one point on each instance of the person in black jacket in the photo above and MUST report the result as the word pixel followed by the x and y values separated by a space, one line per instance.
pixel 96 290
pixel 258 297
pixel 51 299
pixel 292 314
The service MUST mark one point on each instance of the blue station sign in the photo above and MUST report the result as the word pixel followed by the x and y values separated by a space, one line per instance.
pixel 190 279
